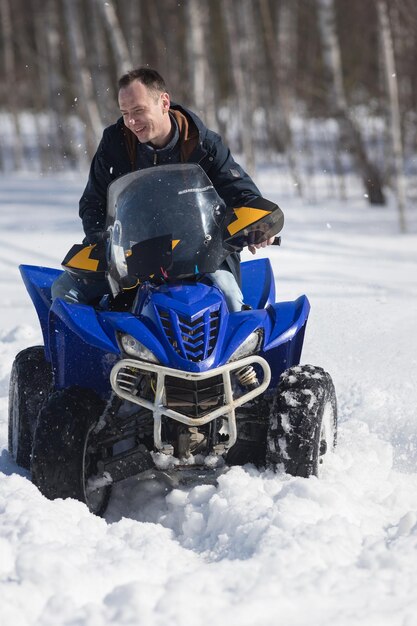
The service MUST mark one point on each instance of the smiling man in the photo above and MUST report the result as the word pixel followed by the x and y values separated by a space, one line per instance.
pixel 145 112
pixel 155 131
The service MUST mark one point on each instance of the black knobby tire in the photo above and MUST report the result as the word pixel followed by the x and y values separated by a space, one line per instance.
pixel 303 421
pixel 30 384
pixel 64 456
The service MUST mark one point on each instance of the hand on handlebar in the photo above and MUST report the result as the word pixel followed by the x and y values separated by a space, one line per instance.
pixel 264 244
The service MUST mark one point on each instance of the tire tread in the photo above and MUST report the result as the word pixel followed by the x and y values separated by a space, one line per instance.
pixel 296 416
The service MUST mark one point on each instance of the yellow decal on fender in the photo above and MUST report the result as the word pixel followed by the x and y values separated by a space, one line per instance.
pixel 82 260
pixel 245 217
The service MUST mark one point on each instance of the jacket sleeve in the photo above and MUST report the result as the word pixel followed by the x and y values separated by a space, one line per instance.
pixel 93 202
pixel 232 183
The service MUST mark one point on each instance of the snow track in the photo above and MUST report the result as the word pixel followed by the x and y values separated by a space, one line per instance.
pixel 257 548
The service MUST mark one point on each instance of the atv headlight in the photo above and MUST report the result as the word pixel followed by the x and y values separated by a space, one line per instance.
pixel 251 345
pixel 135 348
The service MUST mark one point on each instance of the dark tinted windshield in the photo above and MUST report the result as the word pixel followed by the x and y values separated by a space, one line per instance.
pixel 165 221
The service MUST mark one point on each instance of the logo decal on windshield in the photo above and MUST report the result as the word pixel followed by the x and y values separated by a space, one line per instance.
pixel 195 189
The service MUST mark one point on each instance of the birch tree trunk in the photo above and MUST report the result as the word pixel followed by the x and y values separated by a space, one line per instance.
pixel 176 39
pixel 281 53
pixel 82 76
pixel 56 90
pixel 117 39
pixel 135 32
pixel 101 64
pixel 9 74
pixel 201 82
pixel 394 109
pixel 286 71
pixel 273 113
pixel 371 177
pixel 45 131
pixel 243 104
pixel 155 55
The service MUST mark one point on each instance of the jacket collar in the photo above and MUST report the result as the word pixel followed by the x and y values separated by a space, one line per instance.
pixel 191 134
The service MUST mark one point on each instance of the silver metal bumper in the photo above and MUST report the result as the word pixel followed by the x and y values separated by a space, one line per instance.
pixel 120 383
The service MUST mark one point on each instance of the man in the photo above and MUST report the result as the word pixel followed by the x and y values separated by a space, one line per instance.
pixel 154 131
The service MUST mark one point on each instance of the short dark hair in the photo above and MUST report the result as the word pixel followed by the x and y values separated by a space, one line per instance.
pixel 145 75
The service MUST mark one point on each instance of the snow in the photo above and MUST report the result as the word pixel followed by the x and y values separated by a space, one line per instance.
pixel 255 548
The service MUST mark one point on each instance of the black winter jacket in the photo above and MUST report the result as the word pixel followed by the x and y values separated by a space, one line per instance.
pixel 116 156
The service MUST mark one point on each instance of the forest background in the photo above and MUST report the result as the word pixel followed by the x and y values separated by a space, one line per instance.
pixel 316 89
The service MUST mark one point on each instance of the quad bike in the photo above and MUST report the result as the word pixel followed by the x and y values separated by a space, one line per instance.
pixel 159 376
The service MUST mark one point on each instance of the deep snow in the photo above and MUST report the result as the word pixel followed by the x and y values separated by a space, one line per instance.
pixel 257 548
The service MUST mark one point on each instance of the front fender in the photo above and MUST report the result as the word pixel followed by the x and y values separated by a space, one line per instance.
pixel 81 352
pixel 82 320
pixel 288 318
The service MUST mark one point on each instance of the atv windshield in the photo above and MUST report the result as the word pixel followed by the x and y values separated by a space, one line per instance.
pixel 164 222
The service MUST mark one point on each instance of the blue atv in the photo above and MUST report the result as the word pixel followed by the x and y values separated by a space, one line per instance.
pixel 158 376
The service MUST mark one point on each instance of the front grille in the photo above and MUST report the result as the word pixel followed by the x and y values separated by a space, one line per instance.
pixel 194 398
pixel 193 339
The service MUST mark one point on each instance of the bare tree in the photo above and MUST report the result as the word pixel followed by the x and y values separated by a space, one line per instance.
pixel 45 130
pixel 394 109
pixel 101 63
pixel 82 75
pixel 281 53
pixel 116 36
pixel 371 177
pixel 9 75
pixel 242 103
pixel 55 99
pixel 156 28
pixel 201 80
pixel 134 28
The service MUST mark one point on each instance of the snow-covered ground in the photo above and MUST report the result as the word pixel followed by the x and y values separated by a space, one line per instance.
pixel 256 549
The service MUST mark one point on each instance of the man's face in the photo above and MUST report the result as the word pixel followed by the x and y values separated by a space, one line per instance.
pixel 145 113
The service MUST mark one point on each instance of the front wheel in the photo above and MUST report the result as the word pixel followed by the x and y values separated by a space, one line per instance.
pixel 303 421
pixel 65 453
pixel 30 383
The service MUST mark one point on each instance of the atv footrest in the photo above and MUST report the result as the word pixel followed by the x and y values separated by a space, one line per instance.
pixel 127 464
